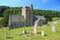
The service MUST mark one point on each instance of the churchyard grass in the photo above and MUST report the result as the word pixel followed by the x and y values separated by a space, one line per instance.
pixel 16 34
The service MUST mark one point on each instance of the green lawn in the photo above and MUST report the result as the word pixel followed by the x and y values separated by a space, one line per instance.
pixel 16 34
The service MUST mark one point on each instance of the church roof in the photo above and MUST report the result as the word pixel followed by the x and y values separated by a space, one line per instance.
pixel 41 17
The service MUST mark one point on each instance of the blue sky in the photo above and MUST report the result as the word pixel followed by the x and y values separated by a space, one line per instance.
pixel 38 4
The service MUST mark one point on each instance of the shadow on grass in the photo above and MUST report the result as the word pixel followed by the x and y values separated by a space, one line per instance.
pixel 41 33
pixel 9 37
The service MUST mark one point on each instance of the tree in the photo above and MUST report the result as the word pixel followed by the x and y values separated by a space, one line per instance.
pixel 2 9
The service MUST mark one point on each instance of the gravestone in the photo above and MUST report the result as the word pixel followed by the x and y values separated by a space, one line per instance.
pixel 36 26
pixel 35 29
pixel 42 33
pixel 53 29
pixel 24 32
pixel 55 22
pixel 48 23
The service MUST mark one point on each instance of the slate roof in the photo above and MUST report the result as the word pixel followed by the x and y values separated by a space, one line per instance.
pixel 41 17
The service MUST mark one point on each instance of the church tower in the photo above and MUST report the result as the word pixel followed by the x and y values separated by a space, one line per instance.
pixel 31 14
pixel 27 12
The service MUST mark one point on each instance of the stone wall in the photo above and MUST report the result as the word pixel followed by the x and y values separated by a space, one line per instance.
pixel 15 21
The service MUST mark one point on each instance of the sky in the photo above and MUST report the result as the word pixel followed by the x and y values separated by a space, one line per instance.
pixel 37 4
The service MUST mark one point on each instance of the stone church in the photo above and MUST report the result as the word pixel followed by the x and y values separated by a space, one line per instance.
pixel 26 19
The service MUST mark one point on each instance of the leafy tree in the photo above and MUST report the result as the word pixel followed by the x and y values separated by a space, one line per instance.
pixel 2 9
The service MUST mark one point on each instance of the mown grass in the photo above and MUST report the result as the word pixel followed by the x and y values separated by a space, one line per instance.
pixel 16 34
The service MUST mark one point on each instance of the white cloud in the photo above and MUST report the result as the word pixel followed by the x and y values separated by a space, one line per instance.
pixel 44 1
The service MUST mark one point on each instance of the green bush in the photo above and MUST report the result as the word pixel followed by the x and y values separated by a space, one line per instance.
pixel 1 21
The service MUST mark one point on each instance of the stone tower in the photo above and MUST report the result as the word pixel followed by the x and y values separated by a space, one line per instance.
pixel 27 12
pixel 10 22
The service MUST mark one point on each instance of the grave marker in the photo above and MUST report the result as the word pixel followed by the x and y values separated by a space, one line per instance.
pixel 43 33
pixel 53 29
pixel 24 31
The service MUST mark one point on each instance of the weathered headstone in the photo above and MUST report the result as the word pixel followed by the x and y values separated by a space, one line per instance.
pixel 42 33
pixel 53 29
pixel 36 26
pixel 55 22
pixel 48 24
pixel 35 29
pixel 24 32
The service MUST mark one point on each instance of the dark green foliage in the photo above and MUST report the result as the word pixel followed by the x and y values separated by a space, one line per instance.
pixel 13 11
pixel 1 19
pixel 2 9
pixel 49 14
pixel 5 11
